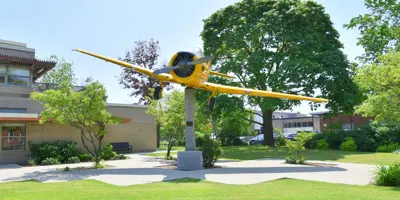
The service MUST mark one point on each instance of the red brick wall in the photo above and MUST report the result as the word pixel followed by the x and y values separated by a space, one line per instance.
pixel 357 120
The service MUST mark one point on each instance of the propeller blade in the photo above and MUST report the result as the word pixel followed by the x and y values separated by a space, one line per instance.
pixel 201 60
pixel 165 70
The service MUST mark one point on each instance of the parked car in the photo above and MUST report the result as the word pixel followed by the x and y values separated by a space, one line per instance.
pixel 259 139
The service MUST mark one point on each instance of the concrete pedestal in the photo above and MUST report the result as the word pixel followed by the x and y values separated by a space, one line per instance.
pixel 190 159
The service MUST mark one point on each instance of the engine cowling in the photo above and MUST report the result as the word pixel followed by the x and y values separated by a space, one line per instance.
pixel 192 74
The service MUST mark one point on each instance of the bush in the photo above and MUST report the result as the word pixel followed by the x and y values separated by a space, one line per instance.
pixel 99 165
pixel 281 140
pixel 120 157
pixel 31 162
pixel 211 150
pixel 199 139
pixel 348 145
pixel 73 160
pixel 107 152
pixel 293 160
pixel 60 150
pixel 388 148
pixel 238 142
pixel 322 144
pixel 388 176
pixel 85 157
pixel 51 161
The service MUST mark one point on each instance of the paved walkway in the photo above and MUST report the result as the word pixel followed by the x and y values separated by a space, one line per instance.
pixel 141 169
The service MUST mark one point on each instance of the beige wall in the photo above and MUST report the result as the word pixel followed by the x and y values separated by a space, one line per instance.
pixel 140 133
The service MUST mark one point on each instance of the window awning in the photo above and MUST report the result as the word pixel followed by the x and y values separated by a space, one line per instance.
pixel 29 117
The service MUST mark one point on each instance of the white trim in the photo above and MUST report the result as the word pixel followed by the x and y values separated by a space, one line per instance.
pixel 20 115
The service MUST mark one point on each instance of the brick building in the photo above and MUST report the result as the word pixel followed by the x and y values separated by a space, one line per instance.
pixel 346 121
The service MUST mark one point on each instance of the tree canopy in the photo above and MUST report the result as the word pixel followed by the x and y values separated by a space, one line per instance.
pixel 379 28
pixel 85 110
pixel 63 72
pixel 144 54
pixel 170 113
pixel 381 83
pixel 281 46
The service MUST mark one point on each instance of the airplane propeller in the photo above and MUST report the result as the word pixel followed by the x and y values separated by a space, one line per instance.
pixel 183 65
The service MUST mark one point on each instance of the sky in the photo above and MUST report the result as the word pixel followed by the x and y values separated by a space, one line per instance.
pixel 110 28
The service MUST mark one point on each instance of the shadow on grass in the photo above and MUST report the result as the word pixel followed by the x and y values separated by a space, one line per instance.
pixel 142 175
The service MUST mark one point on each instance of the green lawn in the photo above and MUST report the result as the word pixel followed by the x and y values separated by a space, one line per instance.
pixel 257 152
pixel 195 189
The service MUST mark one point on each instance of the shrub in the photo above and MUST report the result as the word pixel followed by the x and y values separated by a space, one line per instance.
pixel 60 150
pixel 238 142
pixel 388 148
pixel 107 152
pixel 297 145
pixel 294 160
pixel 281 140
pixel 120 157
pixel 85 157
pixel 31 162
pixel 99 165
pixel 199 139
pixel 73 160
pixel 348 145
pixel 388 176
pixel 291 160
pixel 51 161
pixel 211 150
pixel 322 144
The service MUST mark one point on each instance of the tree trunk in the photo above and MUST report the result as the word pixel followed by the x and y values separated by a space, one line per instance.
pixel 268 129
pixel 158 135
pixel 99 149
pixel 169 147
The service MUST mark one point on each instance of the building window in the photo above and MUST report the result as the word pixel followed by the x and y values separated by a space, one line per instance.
pixel 18 76
pixel 12 110
pixel 310 124
pixel 10 75
pixel 285 125
pixel 304 124
pixel 3 72
pixel 348 126
pixel 13 137
pixel 298 124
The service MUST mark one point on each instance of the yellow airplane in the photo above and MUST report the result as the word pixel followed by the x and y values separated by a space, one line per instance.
pixel 188 69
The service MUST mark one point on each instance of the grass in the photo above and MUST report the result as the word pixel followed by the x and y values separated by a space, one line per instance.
pixel 163 146
pixel 195 189
pixel 257 152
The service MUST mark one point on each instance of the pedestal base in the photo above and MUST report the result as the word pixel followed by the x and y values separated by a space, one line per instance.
pixel 190 160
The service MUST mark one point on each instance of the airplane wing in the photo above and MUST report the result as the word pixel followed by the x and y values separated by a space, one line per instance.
pixel 252 92
pixel 148 72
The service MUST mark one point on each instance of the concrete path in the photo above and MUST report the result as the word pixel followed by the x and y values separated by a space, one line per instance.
pixel 141 169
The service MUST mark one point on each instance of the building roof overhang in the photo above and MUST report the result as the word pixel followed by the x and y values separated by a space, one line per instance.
pixel 39 67
pixel 30 117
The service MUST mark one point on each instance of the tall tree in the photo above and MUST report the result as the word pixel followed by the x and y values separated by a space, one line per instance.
pixel 144 54
pixel 379 28
pixel 229 117
pixel 170 112
pixel 381 83
pixel 63 72
pixel 85 110
pixel 281 46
